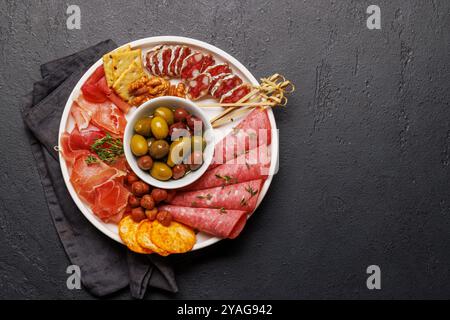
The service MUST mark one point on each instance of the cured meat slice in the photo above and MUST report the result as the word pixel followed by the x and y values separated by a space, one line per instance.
pixel 217 78
pixel 83 139
pixel 198 87
pixel 249 166
pixel 224 85
pixel 173 61
pixel 69 154
pixel 217 222
pixel 239 196
pixel 191 66
pixel 110 201
pixel 218 69
pixel 208 61
pixel 185 51
pixel 104 115
pixel 82 117
pixel 236 94
pixel 251 132
pixel 217 72
pixel 166 54
pixel 152 61
pixel 86 177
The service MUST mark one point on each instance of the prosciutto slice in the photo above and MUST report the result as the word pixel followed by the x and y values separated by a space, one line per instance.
pixel 71 154
pixel 111 199
pixel 86 178
pixel 104 115
pixel 219 223
pixel 250 133
pixel 249 166
pixel 240 196
pixel 83 139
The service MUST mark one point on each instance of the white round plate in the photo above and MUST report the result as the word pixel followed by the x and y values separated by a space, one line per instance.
pixel 67 123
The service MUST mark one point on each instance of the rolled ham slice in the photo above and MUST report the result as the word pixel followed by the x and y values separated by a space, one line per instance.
pixel 250 133
pixel 219 223
pixel 239 196
pixel 250 166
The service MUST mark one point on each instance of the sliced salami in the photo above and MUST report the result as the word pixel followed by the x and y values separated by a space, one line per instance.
pixel 217 222
pixel 150 60
pixel 236 94
pixel 249 166
pixel 224 85
pixel 218 69
pixel 215 79
pixel 191 66
pixel 173 61
pixel 199 86
pixel 184 53
pixel 239 196
pixel 251 132
pixel 166 59
pixel 208 61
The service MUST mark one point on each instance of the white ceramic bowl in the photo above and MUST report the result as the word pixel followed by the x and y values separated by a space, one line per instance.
pixel 147 109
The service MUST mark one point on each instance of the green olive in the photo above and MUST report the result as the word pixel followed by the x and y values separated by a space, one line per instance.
pixel 138 145
pixel 179 150
pixel 161 171
pixel 166 114
pixel 149 142
pixel 159 149
pixel 160 129
pixel 198 143
pixel 143 127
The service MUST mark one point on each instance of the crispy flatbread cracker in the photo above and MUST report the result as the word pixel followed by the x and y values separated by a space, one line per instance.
pixel 176 238
pixel 127 232
pixel 143 238
pixel 121 61
pixel 133 73
pixel 108 63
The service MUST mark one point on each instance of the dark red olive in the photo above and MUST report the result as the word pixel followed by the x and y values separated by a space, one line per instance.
pixel 180 114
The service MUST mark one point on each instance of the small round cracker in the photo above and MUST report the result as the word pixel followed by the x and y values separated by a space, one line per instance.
pixel 143 237
pixel 176 238
pixel 127 232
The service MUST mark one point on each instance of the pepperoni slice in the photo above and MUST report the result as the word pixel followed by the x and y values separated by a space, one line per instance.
pixel 225 85
pixel 192 66
pixel 236 94
pixel 198 87
pixel 184 53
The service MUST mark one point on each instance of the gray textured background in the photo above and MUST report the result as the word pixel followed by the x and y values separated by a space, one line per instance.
pixel 365 145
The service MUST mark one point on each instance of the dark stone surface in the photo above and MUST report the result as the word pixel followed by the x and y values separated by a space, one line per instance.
pixel 365 146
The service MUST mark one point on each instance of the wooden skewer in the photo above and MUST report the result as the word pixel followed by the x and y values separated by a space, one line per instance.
pixel 238 104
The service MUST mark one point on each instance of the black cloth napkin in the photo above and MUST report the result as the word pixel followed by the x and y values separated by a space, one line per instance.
pixel 106 266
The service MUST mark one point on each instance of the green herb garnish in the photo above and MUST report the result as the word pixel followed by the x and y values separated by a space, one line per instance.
pixel 91 160
pixel 222 210
pixel 108 148
pixel 243 202
pixel 207 197
pixel 250 190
